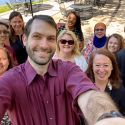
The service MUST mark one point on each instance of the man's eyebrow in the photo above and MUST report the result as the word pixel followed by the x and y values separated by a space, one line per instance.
pixel 52 35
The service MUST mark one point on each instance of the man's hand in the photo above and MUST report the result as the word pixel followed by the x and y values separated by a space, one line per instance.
pixel 93 104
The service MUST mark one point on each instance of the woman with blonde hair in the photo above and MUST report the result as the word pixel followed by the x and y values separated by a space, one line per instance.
pixel 68 49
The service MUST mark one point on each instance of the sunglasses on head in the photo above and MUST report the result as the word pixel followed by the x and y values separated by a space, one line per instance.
pixel 99 29
pixel 70 42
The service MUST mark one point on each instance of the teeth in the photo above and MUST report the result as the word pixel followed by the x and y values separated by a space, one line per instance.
pixel 101 75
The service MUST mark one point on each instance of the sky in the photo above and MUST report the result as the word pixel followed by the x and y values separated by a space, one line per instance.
pixel 2 2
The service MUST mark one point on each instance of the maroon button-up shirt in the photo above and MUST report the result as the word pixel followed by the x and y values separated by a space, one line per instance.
pixel 32 99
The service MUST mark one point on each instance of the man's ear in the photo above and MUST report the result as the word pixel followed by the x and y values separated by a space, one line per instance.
pixel 24 39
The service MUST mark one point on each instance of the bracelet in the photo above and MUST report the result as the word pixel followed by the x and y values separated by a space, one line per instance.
pixel 111 114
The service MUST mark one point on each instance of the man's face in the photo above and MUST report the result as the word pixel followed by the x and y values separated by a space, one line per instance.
pixel 41 42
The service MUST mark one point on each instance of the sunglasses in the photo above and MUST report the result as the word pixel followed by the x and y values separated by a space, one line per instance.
pixel 70 42
pixel 99 29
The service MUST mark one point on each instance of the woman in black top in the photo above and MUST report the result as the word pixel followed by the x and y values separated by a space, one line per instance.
pixel 103 71
pixel 17 29
pixel 73 23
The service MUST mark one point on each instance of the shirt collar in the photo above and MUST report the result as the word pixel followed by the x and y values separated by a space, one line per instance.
pixel 53 68
pixel 31 73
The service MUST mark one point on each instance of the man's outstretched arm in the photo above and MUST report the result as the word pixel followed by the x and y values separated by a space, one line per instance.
pixel 93 104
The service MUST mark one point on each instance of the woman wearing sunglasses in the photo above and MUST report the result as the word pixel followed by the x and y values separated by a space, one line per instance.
pixel 68 49
pixel 98 41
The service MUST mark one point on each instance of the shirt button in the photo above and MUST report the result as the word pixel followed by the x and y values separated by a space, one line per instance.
pixel 51 118
pixel 47 101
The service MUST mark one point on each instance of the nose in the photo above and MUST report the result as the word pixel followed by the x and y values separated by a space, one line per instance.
pixel 2 34
pixel 112 44
pixel 44 43
pixel 101 69
pixel 66 43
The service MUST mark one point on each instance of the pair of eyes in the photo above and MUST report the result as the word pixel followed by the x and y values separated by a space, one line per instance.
pixel 104 66
pixel 17 22
pixel 3 59
pixel 4 32
pixel 38 37
pixel 113 43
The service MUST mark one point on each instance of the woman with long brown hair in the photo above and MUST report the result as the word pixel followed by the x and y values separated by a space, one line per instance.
pixel 16 36
pixel 104 73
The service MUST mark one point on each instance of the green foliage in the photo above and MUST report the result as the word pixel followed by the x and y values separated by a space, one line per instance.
pixel 5 8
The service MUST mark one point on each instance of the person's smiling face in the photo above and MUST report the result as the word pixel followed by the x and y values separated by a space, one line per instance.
pixel 4 61
pixel 66 47
pixel 113 45
pixel 102 67
pixel 71 20
pixel 4 34
pixel 100 32
pixel 41 43
pixel 17 24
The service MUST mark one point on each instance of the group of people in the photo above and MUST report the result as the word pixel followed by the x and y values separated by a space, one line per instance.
pixel 53 78
pixel 12 49
pixel 97 59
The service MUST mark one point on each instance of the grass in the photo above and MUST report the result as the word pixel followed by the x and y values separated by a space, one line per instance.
pixel 5 8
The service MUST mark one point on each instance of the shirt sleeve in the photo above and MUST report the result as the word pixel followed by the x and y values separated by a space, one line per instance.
pixel 5 94
pixel 78 83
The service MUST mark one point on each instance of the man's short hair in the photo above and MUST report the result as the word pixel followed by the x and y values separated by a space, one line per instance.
pixel 45 18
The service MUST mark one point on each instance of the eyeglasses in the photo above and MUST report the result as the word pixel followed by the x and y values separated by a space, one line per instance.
pixel 70 42
pixel 99 29
pixel 5 32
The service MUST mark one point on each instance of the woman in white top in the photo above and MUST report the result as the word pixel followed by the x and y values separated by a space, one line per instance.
pixel 68 49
